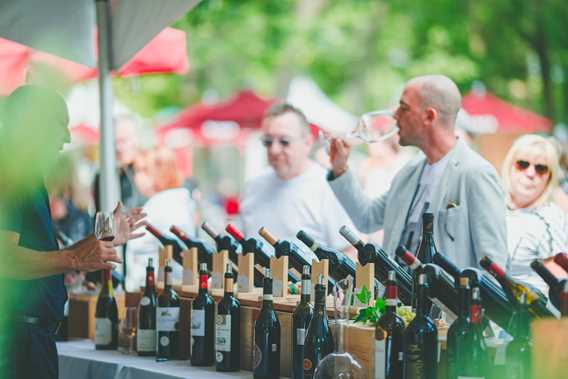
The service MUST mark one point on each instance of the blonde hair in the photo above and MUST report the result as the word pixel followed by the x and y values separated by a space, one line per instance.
pixel 532 142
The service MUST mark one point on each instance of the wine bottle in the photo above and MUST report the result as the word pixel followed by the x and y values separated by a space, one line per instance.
pixel 537 302
pixel 300 322
pixel 519 351
pixel 495 302
pixel 165 241
pixel 319 341
pixel 256 247
pixel 457 344
pixel 442 290
pixel 368 253
pixel 223 242
pixel 389 334
pixel 146 333
pixel 340 266
pixel 203 323
pixel 555 285
pixel 287 248
pixel 561 259
pixel 228 328
pixel 477 366
pixel 167 319
pixel 421 339
pixel 266 352
pixel 106 316
pixel 427 248
pixel 204 251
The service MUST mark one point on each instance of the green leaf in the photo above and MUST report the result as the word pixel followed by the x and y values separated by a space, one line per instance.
pixel 364 296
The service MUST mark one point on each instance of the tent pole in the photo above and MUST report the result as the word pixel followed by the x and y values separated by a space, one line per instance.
pixel 108 185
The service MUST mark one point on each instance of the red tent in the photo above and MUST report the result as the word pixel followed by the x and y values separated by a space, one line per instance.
pixel 165 53
pixel 510 118
pixel 222 121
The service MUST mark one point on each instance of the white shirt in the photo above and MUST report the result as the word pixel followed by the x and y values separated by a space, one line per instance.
pixel 427 186
pixel 535 233
pixel 285 207
pixel 164 209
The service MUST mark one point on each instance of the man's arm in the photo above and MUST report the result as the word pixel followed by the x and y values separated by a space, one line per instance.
pixel 487 216
pixel 366 214
pixel 22 263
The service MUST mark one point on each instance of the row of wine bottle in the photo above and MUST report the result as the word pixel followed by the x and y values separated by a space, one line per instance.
pixel 215 336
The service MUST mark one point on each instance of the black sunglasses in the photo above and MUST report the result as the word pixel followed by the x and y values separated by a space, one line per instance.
pixel 268 141
pixel 540 169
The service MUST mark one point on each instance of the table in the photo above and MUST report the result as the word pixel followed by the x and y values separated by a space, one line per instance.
pixel 79 359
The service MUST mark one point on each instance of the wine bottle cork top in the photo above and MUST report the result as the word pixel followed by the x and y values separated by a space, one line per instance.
pixel 228 268
pixel 306 270
pixel 349 235
pixel 209 230
pixel 464 281
pixel 150 262
pixel 203 266
pixel 392 275
pixel 267 236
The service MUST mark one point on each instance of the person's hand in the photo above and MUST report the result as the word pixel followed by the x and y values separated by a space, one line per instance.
pixel 127 223
pixel 338 156
pixel 93 255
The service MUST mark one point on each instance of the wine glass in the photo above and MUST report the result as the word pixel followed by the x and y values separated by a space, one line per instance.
pixel 373 127
pixel 341 364
pixel 105 226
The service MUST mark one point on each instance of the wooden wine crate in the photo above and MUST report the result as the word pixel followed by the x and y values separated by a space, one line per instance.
pixel 550 352
pixel 82 310
pixel 359 341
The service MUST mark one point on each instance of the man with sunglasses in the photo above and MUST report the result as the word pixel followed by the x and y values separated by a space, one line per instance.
pixel 448 179
pixel 293 194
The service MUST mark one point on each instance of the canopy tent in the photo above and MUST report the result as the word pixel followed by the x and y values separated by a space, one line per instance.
pixel 165 53
pixel 508 117
pixel 67 28
pixel 221 122
pixel 499 124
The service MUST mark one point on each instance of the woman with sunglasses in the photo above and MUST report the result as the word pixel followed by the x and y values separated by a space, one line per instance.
pixel 536 227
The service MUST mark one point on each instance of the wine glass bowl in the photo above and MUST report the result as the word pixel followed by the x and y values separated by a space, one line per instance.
pixel 375 126
pixel 105 227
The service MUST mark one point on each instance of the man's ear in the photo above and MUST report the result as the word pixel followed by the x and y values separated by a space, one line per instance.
pixel 430 115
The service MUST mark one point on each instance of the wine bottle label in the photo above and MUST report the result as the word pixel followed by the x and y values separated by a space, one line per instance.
pixel 300 336
pixel 223 333
pixel 146 340
pixel 391 302
pixel 380 357
pixel 307 364
pixel 256 357
pixel 268 297
pixel 164 341
pixel 167 319
pixel 103 331
pixel 219 357
pixel 306 287
pixel 277 288
pixel 198 322
pixel 145 301
pixel 414 362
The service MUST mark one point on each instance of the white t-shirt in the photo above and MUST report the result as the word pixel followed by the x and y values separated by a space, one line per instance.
pixel 428 184
pixel 164 209
pixel 285 207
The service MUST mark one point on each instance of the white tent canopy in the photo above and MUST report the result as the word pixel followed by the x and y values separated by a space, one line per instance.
pixel 67 28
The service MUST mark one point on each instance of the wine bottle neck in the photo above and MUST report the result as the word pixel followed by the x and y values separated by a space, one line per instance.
pixel 150 282
pixel 464 302
pixel 203 283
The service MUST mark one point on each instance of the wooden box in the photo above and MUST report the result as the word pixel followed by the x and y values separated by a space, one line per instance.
pixel 550 353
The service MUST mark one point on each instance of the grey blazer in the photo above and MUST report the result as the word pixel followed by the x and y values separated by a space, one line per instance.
pixel 468 206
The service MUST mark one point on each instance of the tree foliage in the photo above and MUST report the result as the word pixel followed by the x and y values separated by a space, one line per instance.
pixel 360 52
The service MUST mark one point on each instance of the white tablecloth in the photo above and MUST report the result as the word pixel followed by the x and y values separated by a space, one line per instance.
pixel 79 360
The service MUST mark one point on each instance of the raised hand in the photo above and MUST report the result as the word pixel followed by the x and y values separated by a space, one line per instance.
pixel 338 156
pixel 128 222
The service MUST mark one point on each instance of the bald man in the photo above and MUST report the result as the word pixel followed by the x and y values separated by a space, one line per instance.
pixel 452 181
